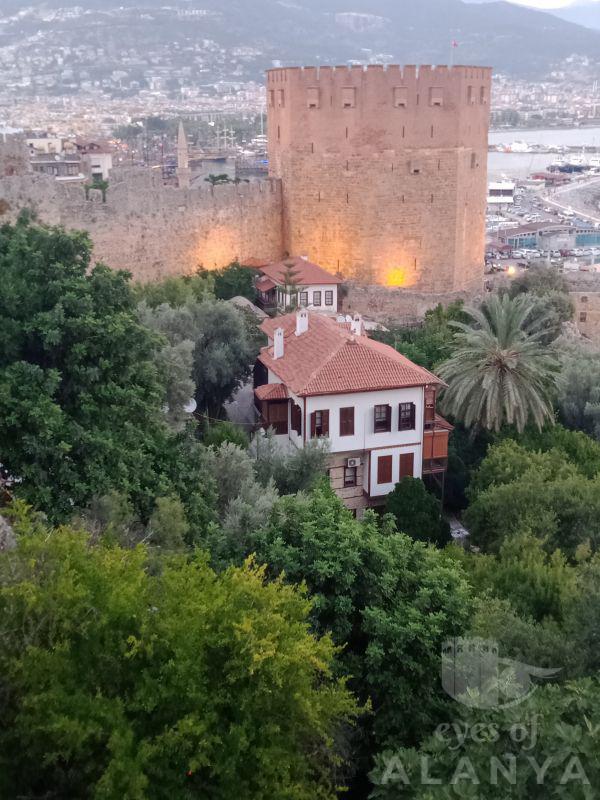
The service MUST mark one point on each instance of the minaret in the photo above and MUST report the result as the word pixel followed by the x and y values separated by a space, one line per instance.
pixel 183 159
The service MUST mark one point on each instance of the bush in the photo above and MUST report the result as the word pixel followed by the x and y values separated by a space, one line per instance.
pixel 216 433
pixel 417 512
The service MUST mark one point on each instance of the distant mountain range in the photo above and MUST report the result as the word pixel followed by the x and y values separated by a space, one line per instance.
pixel 511 38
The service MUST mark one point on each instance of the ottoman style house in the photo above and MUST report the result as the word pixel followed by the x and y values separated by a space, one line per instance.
pixel 319 378
pixel 296 282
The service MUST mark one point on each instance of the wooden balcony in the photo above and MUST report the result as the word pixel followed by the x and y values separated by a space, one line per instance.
pixel 435 445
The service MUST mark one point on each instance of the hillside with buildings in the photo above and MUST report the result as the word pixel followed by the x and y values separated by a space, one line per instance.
pixel 61 47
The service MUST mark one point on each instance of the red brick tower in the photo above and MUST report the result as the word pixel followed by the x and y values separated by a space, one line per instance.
pixel 384 170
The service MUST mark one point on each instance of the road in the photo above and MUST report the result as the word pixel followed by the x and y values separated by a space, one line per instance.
pixel 581 197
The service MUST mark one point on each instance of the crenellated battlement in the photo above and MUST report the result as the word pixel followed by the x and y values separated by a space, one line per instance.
pixel 389 72
pixel 379 85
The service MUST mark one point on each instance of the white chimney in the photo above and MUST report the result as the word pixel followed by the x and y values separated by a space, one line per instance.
pixel 301 322
pixel 356 325
pixel 278 343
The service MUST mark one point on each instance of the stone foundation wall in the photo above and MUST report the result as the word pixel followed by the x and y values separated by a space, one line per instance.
pixel 587 313
pixel 401 306
pixel 14 156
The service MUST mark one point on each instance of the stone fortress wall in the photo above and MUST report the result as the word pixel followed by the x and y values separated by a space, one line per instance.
pixel 378 173
pixel 14 156
pixel 151 229
pixel 384 170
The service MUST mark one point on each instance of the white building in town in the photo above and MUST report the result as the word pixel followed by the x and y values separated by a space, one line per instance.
pixel 501 194
pixel 318 378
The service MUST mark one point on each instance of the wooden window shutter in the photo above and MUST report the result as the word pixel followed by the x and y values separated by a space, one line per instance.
pixel 325 425
pixel 297 419
pixel 388 413
pixel 429 405
pixel 406 416
pixel 384 469
pixel 347 421
pixel 407 465
pixel 313 425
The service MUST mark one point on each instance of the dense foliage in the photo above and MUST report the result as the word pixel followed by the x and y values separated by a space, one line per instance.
pixel 217 337
pixel 182 683
pixel 389 600
pixel 417 512
pixel 210 617
pixel 548 494
pixel 80 396
pixel 430 343
pixel 546 748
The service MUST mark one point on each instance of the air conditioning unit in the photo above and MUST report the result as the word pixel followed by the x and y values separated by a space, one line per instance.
pixel 353 462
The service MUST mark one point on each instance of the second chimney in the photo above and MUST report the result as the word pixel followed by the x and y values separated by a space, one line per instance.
pixel 301 322
pixel 356 326
pixel 278 345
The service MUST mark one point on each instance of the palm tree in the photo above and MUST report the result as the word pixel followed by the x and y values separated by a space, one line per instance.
pixel 500 372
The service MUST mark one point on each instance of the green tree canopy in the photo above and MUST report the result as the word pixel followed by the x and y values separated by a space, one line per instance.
pixel 390 601
pixel 177 290
pixel 579 390
pixel 234 281
pixel 223 346
pixel 539 280
pixel 556 735
pixel 119 682
pixel 537 584
pixel 417 512
pixel 500 373
pixel 547 494
pixel 80 397
pixel 427 344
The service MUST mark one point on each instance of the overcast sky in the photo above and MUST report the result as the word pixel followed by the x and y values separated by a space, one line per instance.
pixel 547 3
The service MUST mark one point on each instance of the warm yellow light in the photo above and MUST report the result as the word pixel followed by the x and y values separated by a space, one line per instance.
pixel 396 277
pixel 512 270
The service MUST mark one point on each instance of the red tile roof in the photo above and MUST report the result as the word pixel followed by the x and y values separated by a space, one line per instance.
pixel 329 359
pixel 264 284
pixel 441 424
pixel 272 391
pixel 306 273
pixel 255 263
